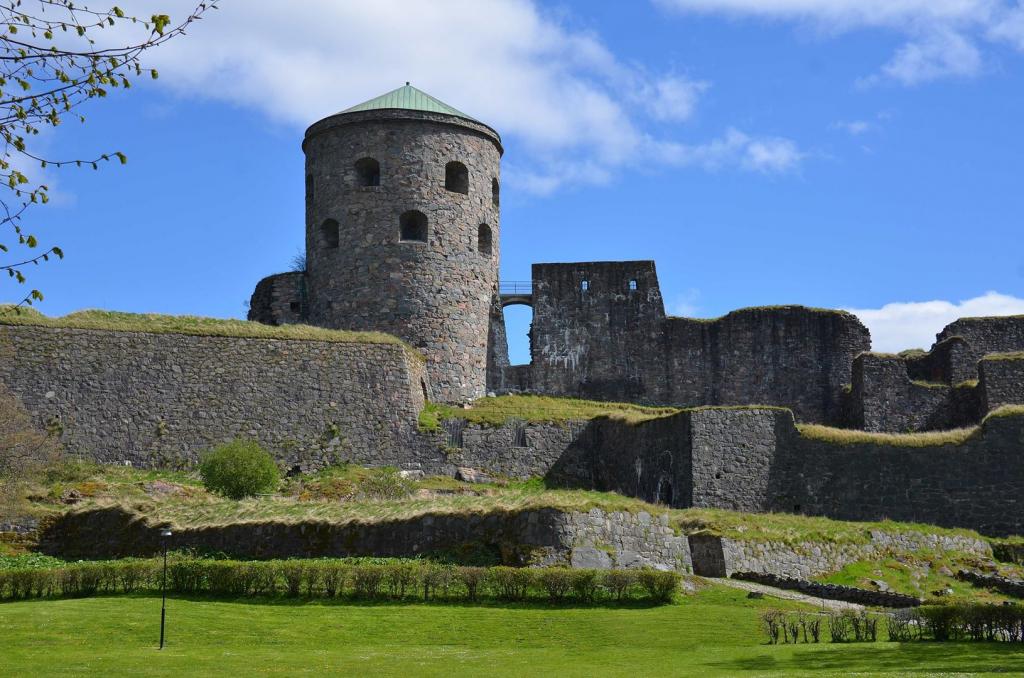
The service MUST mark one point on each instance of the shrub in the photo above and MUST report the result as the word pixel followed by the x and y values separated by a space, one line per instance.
pixel 618 582
pixel 556 581
pixel 584 585
pixel 239 469
pixel 840 626
pixel 471 578
pixel 659 585
pixel 510 583
pixel 25 451
pixel 366 580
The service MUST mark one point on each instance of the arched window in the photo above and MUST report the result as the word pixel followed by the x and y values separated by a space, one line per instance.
pixel 483 239
pixel 367 172
pixel 413 226
pixel 456 177
pixel 329 234
pixel 495 189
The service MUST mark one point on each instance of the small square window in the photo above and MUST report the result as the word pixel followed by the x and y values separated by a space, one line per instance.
pixel 294 307
pixel 585 285
pixel 632 285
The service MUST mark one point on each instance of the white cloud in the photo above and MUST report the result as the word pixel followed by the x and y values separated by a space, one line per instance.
pixel 939 54
pixel 942 36
pixel 903 325
pixel 852 127
pixel 733 149
pixel 685 305
pixel 579 110
pixel 845 14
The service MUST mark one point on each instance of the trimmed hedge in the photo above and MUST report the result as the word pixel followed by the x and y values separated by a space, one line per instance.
pixel 957 622
pixel 364 579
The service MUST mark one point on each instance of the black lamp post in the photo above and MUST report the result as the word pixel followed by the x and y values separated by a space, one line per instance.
pixel 165 535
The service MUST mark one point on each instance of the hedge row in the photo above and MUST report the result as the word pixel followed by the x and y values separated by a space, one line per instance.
pixel 388 580
pixel 975 621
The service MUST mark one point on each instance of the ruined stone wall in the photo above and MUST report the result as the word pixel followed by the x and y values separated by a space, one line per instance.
pixel 982 336
pixel 279 299
pixel 975 484
pixel 600 331
pixel 541 537
pixel 885 398
pixel 1002 380
pixel 163 399
pixel 435 294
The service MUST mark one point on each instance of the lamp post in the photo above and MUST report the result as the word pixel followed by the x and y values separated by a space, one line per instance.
pixel 165 535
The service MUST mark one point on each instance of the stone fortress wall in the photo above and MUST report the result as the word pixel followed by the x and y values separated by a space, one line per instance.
pixel 162 399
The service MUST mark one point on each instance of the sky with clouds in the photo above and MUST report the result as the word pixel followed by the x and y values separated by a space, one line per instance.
pixel 860 154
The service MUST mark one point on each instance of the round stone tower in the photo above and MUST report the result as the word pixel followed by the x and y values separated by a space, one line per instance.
pixel 402 231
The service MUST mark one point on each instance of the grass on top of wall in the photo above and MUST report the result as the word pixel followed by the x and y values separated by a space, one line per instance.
pixel 790 528
pixel 956 436
pixel 497 411
pixel 352 493
pixel 155 323
pixel 1013 355
pixel 769 308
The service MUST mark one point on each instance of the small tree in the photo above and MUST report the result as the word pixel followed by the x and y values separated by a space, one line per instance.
pixel 55 55
pixel 239 469
pixel 24 449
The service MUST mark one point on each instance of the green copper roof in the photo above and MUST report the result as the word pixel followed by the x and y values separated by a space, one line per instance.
pixel 411 99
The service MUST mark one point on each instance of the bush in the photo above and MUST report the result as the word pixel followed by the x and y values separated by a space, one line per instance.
pixel 366 578
pixel 556 581
pixel 239 469
pixel 659 585
pixel 618 582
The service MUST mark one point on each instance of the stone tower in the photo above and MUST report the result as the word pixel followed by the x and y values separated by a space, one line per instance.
pixel 402 231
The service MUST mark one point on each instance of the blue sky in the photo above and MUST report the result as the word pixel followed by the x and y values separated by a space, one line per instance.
pixel 853 154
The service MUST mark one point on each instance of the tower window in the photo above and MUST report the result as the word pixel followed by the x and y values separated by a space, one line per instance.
pixel 495 189
pixel 456 177
pixel 632 285
pixel 309 187
pixel 367 172
pixel 413 226
pixel 483 239
pixel 329 234
pixel 584 285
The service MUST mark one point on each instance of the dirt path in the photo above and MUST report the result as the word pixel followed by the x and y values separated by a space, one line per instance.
pixel 787 595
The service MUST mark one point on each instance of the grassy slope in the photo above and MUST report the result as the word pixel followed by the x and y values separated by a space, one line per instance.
pixel 496 411
pixel 313 497
pixel 712 633
pixel 191 325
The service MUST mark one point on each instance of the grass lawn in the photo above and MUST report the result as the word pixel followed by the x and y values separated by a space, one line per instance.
pixel 714 632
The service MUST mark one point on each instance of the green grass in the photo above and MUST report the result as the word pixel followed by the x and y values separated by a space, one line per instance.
pixel 192 325
pixel 497 411
pixel 1016 355
pixel 338 494
pixel 712 633
pixel 770 308
pixel 957 436
pixel 921 574
pixel 791 528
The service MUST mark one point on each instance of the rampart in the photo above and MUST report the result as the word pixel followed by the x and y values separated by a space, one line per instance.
pixel 162 399
pixel 755 459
